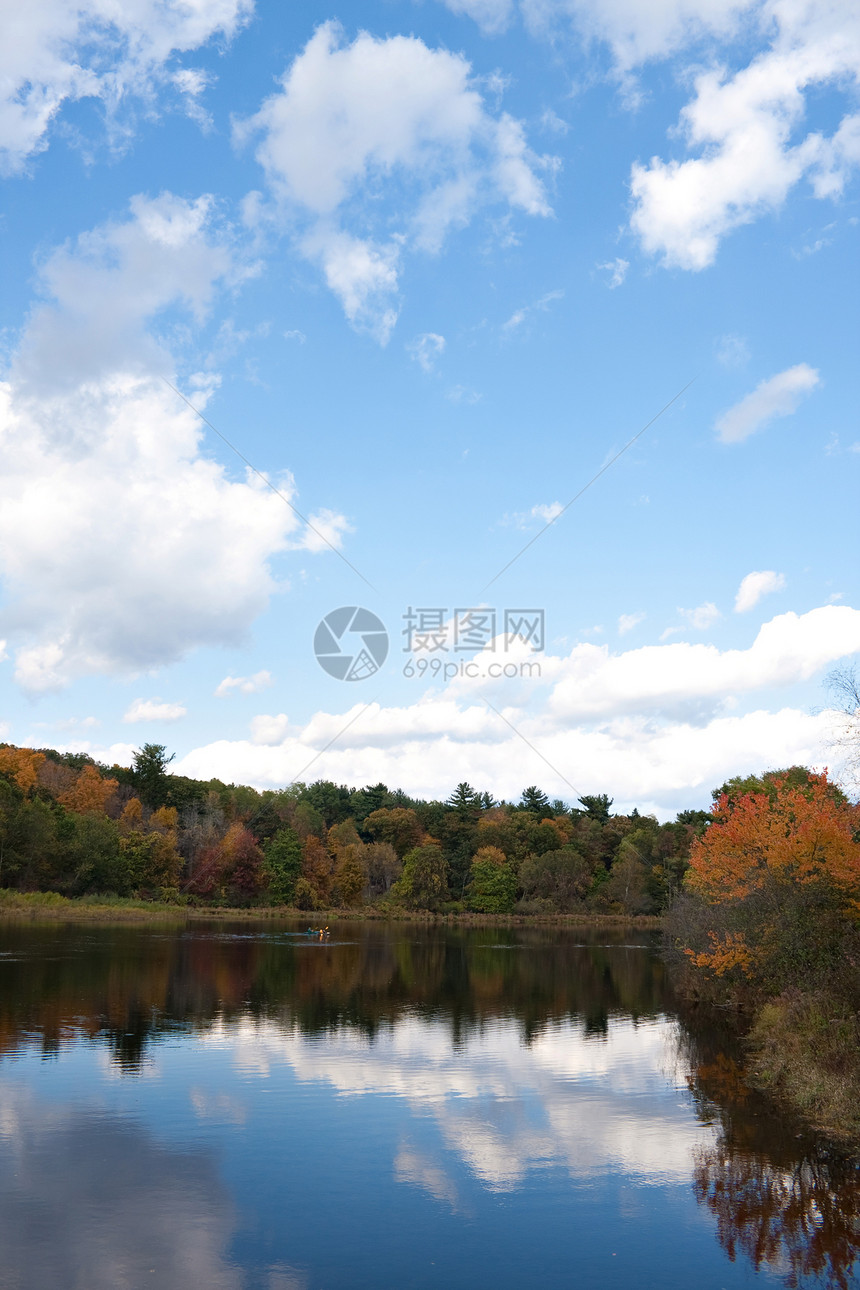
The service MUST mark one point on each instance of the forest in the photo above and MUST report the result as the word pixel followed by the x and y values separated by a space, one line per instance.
pixel 71 825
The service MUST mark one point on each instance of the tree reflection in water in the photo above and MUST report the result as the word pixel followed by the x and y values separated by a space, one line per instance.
pixel 782 1196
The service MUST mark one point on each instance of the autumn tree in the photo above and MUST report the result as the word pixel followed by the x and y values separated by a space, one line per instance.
pixel 21 765
pixel 397 825
pixel 350 874
pixel 384 867
pixel 778 871
pixel 231 870
pixel 89 792
pixel 342 835
pixel 316 873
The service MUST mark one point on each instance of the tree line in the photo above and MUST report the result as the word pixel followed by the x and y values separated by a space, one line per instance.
pixel 71 825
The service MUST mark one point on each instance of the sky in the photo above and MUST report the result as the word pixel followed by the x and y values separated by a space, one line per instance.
pixel 523 331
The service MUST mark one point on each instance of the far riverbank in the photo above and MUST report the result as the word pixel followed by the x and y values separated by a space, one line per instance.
pixel 51 906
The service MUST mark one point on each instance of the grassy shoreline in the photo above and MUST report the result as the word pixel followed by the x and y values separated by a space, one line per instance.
pixel 51 906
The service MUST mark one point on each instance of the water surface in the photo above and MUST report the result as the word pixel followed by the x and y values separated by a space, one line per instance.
pixel 399 1107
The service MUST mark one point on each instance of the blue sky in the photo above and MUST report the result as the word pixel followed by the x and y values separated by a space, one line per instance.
pixel 428 268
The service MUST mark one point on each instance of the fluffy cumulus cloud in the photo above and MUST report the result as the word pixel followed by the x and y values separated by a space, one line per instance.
pixel 659 725
pixel 754 586
pixel 748 128
pixel 122 544
pixel 385 118
pixel 778 396
pixel 62 50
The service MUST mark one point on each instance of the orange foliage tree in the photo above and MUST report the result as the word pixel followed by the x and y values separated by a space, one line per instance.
pixel 770 866
pixel 89 792
pixel 22 765
pixel 231 869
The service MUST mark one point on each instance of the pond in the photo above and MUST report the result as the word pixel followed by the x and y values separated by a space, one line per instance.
pixel 400 1106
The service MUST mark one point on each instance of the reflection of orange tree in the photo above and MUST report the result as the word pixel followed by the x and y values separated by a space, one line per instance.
pixel 781 1195
pixel 801 1220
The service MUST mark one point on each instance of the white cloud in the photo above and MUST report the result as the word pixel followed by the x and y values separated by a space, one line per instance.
pixel 545 512
pixel 552 122
pixel 3 654
pixel 519 316
pixel 747 128
pixel 756 585
pixel 627 622
pixel 192 83
pixel 362 276
pixel 154 710
pixel 425 349
pixel 243 684
pixel 354 123
pixel 617 270
pixel 323 532
pixel 636 33
pixel 58 51
pixel 492 16
pixel 649 725
pixel 270 730
pixel 122 544
pixel 702 617
pixel 778 396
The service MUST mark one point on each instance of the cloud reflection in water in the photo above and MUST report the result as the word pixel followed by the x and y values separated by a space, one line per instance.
pixel 503 1107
